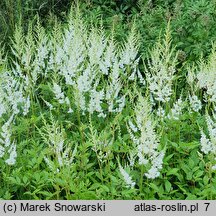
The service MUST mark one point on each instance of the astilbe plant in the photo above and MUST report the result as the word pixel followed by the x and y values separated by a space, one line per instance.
pixel 145 139
pixel 208 143
pixel 160 70
pixel 84 69
pixel 206 77
pixel 89 65
pixel 14 102
pixel 195 103
pixel 7 147
pixel 57 146
pixel 127 178
pixel 202 82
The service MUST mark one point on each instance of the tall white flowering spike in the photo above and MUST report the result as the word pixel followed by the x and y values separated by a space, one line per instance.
pixel 160 112
pixel 12 152
pixel 130 50
pixel 12 93
pixel 3 104
pixel 207 76
pixel 54 136
pixel 160 70
pixel 6 146
pixel 157 162
pixel 127 178
pixel 145 139
pixel 176 110
pixel 59 95
pixel 26 106
pixel 96 98
pixel 115 100
pixel 208 145
pixel 96 47
pixel 108 57
pixel 195 103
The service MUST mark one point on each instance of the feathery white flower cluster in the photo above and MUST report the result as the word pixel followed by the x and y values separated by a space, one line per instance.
pixel 96 98
pixel 207 77
pixel 145 139
pixel 160 70
pixel 114 100
pixel 130 51
pixel 176 110
pixel 127 178
pixel 195 103
pixel 157 163
pixel 85 58
pixel 88 60
pixel 13 95
pixel 5 142
pixel 160 83
pixel 208 145
pixel 26 67
pixel 60 97
pixel 53 135
pixel 101 143
pixel 12 102
pixel 161 113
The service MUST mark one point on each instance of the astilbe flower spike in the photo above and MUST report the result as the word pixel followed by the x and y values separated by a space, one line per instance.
pixel 160 70
pixel 145 139
pixel 208 144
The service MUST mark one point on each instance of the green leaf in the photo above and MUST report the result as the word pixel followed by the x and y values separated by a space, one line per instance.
pixel 198 173
pixel 173 171
pixel 191 197
pixel 191 163
pixel 205 180
pixel 166 159
pixel 105 188
pixel 155 187
pixel 168 186
pixel 189 176
pixel 25 180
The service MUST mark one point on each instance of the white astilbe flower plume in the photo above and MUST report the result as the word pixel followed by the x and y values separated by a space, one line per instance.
pixel 195 103
pixel 113 89
pixel 176 110
pixel 6 146
pixel 87 59
pixel 145 139
pixel 96 98
pixel 160 112
pixel 157 162
pixel 54 136
pixel 208 145
pixel 60 97
pixel 207 77
pixel 13 95
pixel 127 178
pixel 160 70
pixel 12 151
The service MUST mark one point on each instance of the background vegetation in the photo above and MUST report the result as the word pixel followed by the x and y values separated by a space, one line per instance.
pixel 192 21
